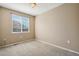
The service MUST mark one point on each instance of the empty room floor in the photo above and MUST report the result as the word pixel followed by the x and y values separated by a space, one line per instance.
pixel 34 48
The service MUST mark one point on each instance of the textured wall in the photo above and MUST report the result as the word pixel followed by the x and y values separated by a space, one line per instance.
pixel 60 26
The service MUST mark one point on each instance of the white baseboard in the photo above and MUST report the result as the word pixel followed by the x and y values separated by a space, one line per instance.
pixel 16 43
pixel 58 46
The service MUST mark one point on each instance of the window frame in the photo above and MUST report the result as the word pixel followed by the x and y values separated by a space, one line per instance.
pixel 21 24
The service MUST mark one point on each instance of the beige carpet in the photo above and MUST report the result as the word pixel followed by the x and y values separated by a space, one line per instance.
pixel 34 48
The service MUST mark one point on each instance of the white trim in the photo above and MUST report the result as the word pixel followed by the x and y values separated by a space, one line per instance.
pixel 21 25
pixel 16 43
pixel 58 46
pixel 20 32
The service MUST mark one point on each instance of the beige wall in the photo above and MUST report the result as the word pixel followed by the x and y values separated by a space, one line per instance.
pixel 0 29
pixel 6 28
pixel 59 25
pixel 0 25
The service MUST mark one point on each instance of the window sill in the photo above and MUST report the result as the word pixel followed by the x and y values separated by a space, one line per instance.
pixel 20 32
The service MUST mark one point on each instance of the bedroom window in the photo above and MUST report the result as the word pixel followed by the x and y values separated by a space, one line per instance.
pixel 20 24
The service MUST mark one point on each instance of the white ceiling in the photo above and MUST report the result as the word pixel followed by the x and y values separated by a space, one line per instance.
pixel 26 7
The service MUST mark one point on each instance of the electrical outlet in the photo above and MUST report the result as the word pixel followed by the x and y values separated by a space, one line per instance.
pixel 68 41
